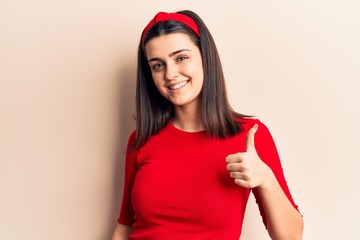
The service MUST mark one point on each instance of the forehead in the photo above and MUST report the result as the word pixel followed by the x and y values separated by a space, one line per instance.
pixel 168 43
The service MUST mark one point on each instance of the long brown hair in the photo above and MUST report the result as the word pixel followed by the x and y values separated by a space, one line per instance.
pixel 153 111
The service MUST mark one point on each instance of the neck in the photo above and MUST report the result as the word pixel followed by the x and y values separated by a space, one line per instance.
pixel 188 119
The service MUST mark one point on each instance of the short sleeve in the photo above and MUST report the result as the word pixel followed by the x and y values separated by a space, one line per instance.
pixel 266 149
pixel 126 215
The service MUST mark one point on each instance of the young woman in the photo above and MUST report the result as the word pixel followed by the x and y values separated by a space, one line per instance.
pixel 193 161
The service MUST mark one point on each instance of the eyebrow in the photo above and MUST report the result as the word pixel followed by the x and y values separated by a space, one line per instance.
pixel 170 55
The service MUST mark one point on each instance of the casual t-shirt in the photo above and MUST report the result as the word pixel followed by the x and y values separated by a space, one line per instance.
pixel 177 185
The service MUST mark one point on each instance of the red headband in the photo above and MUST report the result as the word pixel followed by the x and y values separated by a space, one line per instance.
pixel 163 16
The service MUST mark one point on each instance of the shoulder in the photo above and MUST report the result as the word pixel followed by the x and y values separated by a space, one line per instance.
pixel 131 139
pixel 263 134
pixel 249 122
pixel 132 135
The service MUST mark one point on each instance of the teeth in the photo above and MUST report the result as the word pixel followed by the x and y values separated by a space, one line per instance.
pixel 177 86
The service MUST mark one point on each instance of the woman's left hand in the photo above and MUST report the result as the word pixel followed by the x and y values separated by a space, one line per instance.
pixel 247 168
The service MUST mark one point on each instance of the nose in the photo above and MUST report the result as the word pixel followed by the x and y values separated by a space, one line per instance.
pixel 171 72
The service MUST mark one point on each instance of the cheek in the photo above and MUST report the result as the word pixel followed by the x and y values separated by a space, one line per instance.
pixel 198 71
pixel 156 78
pixel 159 83
pixel 194 70
pixel 198 74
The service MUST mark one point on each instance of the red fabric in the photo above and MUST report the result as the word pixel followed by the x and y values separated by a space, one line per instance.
pixel 177 185
pixel 163 16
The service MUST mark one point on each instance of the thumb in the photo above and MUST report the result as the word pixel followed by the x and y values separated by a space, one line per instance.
pixel 250 139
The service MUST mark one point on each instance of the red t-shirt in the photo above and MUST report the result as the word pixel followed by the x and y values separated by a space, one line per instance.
pixel 177 185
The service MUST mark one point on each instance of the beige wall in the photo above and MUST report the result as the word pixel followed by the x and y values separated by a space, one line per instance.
pixel 67 78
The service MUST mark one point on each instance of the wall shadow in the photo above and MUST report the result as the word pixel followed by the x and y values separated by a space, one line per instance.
pixel 126 124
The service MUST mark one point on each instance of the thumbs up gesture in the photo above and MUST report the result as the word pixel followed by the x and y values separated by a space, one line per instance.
pixel 247 169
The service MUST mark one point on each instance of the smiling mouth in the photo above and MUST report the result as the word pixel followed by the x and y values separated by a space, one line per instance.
pixel 178 86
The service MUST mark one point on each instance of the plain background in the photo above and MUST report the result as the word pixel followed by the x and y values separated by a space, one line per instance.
pixel 67 103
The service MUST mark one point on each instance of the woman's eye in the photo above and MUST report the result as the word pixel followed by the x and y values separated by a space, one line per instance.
pixel 157 66
pixel 182 58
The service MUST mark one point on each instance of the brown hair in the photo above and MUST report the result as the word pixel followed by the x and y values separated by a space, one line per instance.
pixel 153 111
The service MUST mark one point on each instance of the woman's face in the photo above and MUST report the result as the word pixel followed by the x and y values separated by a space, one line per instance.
pixel 176 67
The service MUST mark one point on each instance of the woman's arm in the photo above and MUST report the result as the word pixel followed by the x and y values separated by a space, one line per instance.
pixel 283 220
pixel 126 214
pixel 121 232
